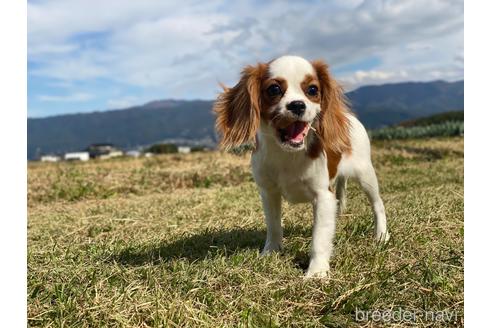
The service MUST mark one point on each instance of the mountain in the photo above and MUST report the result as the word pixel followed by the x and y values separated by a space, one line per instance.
pixel 192 122
pixel 387 104
pixel 168 120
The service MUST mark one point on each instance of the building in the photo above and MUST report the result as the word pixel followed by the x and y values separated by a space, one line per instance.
pixel 133 153
pixel 50 158
pixel 184 149
pixel 103 151
pixel 77 156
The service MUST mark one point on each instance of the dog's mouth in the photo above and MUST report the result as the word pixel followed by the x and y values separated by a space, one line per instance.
pixel 294 134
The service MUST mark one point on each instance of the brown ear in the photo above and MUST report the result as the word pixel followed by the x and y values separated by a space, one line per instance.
pixel 334 125
pixel 238 108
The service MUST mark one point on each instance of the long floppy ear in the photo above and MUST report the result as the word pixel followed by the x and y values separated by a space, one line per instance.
pixel 238 108
pixel 334 125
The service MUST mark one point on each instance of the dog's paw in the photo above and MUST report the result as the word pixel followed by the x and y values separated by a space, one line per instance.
pixel 318 269
pixel 271 248
pixel 382 237
pixel 316 274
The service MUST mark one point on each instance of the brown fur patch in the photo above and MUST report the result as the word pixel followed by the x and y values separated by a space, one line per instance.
pixel 334 125
pixel 333 161
pixel 332 128
pixel 238 109
pixel 308 81
pixel 316 147
pixel 269 110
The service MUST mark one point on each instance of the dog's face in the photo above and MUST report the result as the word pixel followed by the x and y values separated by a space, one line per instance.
pixel 289 94
pixel 292 99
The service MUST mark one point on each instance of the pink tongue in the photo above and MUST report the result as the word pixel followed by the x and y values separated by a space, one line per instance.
pixel 295 131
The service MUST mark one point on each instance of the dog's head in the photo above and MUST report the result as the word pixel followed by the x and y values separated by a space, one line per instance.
pixel 290 94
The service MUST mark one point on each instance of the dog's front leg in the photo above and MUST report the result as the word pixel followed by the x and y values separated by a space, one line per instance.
pixel 271 201
pixel 325 209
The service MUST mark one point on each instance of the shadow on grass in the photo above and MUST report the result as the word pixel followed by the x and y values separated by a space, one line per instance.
pixel 206 244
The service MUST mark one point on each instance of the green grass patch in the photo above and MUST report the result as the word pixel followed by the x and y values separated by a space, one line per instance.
pixel 445 129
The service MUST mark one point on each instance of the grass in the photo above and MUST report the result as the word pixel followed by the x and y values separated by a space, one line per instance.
pixel 444 129
pixel 173 241
pixel 453 116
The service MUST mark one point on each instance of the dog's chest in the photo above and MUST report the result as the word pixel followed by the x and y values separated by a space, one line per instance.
pixel 296 188
pixel 296 176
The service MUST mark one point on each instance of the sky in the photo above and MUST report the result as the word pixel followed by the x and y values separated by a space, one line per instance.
pixel 86 55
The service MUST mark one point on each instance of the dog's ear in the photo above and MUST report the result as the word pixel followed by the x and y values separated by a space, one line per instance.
pixel 334 125
pixel 238 108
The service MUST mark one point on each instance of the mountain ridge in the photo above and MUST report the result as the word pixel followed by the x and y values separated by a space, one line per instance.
pixel 192 121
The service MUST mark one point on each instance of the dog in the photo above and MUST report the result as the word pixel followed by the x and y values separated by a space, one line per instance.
pixel 307 144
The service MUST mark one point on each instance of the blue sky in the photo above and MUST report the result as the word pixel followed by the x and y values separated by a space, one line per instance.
pixel 86 55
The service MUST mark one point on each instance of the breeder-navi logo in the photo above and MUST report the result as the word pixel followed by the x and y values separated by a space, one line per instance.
pixel 403 315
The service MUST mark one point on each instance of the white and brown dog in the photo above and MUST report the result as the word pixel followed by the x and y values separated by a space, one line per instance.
pixel 307 140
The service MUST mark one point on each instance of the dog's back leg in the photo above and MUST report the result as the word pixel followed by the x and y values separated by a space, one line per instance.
pixel 369 183
pixel 341 192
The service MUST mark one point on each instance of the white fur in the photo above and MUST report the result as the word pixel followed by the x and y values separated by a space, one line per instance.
pixel 359 166
pixel 298 178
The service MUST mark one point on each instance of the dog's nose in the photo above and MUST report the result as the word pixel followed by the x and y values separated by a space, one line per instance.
pixel 297 107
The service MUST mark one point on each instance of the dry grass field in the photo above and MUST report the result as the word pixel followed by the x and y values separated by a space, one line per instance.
pixel 173 241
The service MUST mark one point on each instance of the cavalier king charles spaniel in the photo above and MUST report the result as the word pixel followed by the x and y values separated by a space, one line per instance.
pixel 307 144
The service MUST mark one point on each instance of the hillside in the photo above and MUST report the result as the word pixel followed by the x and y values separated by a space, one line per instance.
pixel 176 121
pixel 454 116
pixel 193 122
pixel 388 104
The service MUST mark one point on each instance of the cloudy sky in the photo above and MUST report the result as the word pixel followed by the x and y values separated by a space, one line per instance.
pixel 86 55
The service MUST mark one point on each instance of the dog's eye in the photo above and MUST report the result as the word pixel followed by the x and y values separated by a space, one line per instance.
pixel 312 90
pixel 274 90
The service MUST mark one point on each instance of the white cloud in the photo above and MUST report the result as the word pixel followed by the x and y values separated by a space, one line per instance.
pixel 51 49
pixel 123 102
pixel 421 73
pixel 186 49
pixel 72 69
pixel 75 97
pixel 60 19
pixel 353 80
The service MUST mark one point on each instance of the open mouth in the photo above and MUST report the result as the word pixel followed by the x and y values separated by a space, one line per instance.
pixel 294 134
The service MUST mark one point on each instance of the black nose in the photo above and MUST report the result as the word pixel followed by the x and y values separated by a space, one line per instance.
pixel 297 107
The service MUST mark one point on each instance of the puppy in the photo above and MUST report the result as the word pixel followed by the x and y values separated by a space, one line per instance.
pixel 307 142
